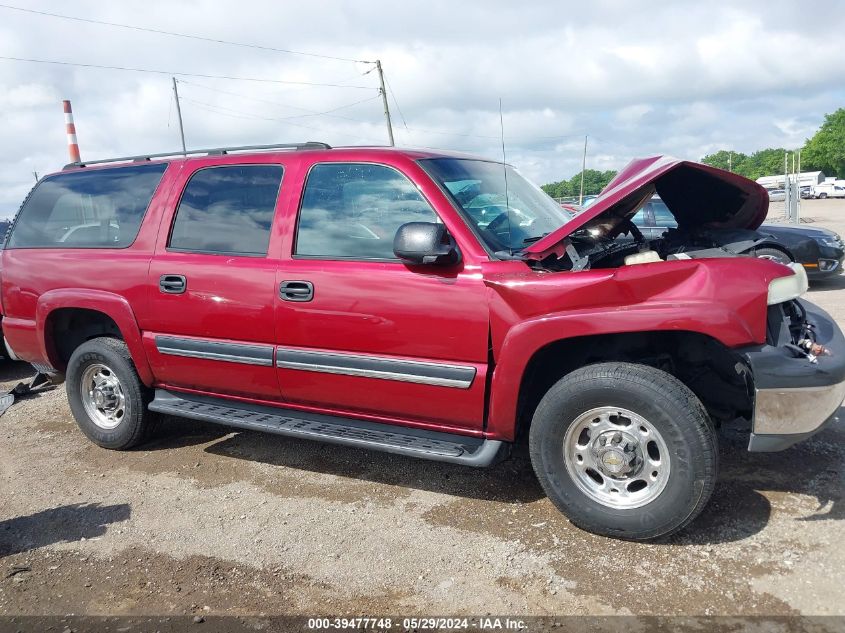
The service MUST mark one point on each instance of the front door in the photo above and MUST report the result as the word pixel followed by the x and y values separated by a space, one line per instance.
pixel 361 333
pixel 210 326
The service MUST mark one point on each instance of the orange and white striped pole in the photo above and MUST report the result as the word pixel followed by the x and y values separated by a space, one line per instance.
pixel 72 143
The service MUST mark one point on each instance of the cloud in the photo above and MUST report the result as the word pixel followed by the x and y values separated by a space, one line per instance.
pixel 637 78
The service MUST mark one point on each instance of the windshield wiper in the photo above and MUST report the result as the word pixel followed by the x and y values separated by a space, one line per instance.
pixel 536 238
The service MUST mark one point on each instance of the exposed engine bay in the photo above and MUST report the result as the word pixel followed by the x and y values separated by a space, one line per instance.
pixel 716 215
pixel 587 250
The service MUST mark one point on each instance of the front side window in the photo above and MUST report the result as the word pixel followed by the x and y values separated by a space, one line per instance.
pixel 100 208
pixel 227 210
pixel 353 210
pixel 508 211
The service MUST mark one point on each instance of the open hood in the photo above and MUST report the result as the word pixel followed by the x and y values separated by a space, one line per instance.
pixel 699 196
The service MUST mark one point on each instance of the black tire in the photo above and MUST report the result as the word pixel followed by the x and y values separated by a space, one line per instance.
pixel 136 422
pixel 774 254
pixel 670 408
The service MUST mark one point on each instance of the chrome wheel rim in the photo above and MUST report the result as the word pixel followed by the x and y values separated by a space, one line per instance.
pixel 772 258
pixel 102 396
pixel 616 457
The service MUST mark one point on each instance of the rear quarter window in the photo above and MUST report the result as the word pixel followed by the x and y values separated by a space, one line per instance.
pixel 101 208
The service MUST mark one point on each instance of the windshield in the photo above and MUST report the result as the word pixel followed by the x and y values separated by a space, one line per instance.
pixel 507 218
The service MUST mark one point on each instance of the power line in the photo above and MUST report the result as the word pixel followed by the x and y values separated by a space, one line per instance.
pixel 250 115
pixel 242 114
pixel 210 107
pixel 284 105
pixel 450 133
pixel 183 35
pixel 396 103
pixel 214 109
pixel 274 81
pixel 182 74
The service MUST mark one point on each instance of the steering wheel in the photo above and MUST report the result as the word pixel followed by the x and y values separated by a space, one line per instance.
pixel 498 223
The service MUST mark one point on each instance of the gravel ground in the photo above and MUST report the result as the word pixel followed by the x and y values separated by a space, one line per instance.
pixel 203 521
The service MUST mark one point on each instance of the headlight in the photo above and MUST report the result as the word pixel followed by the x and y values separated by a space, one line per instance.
pixel 834 241
pixel 788 288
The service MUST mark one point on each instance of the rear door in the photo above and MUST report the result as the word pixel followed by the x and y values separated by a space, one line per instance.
pixel 210 325
pixel 361 333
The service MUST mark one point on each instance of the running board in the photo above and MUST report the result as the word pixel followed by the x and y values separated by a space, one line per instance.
pixel 441 447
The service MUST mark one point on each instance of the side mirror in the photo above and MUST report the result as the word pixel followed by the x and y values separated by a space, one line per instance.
pixel 425 243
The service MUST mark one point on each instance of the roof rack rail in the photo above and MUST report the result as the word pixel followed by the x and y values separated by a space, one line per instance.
pixel 215 151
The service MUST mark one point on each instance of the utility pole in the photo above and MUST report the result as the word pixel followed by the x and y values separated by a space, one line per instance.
pixel 730 161
pixel 583 168
pixel 383 94
pixel 798 202
pixel 793 210
pixel 35 173
pixel 179 115
pixel 786 184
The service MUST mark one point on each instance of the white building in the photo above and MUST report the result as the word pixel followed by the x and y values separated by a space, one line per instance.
pixel 806 178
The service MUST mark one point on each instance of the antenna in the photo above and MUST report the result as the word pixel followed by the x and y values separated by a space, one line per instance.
pixel 505 171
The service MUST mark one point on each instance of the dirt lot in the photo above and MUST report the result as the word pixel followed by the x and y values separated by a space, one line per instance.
pixel 205 521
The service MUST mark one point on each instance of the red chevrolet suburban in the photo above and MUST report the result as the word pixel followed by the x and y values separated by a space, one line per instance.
pixel 426 304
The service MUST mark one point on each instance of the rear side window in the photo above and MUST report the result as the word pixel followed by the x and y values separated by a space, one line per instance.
pixel 227 210
pixel 663 216
pixel 352 210
pixel 639 218
pixel 101 208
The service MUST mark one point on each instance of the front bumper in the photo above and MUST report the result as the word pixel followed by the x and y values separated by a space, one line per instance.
pixel 829 262
pixel 794 397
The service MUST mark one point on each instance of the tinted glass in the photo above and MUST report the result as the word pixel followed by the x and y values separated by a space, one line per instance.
pixel 639 218
pixel 101 208
pixel 354 210
pixel 663 216
pixel 228 210
pixel 507 210
pixel 4 229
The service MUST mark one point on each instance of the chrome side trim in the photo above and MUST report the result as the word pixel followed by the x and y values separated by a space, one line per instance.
pixel 243 353
pixel 420 372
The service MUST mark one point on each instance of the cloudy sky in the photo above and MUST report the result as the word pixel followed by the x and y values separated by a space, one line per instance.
pixel 664 76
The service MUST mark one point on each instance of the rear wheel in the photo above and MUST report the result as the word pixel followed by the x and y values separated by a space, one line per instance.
pixel 822 196
pixel 106 396
pixel 624 450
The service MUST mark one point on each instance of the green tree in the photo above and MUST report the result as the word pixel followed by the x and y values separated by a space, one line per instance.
pixel 764 162
pixel 559 189
pixel 594 182
pixel 725 159
pixel 826 150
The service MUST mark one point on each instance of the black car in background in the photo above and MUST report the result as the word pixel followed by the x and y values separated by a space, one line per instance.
pixel 830 245
pixel 819 250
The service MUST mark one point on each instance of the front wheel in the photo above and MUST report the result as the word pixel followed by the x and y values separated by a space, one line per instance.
pixel 774 255
pixel 624 450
